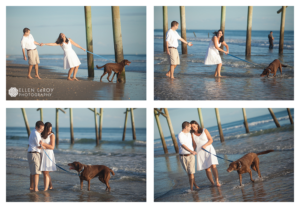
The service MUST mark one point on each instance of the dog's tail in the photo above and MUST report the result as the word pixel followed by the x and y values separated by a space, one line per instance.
pixel 264 152
pixel 283 65
pixel 112 172
pixel 99 67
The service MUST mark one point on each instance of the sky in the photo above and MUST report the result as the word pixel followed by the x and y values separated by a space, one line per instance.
pixel 209 17
pixel 227 115
pixel 82 117
pixel 46 22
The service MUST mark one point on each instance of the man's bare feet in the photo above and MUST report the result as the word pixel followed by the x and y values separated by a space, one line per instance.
pixel 31 189
pixel 69 79
pixel 36 190
pixel 75 79
pixel 37 76
pixel 172 77
pixel 168 74
pixel 29 77
pixel 197 187
pixel 218 184
pixel 51 187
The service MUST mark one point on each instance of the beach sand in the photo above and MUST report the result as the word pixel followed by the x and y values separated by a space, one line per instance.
pixel 62 89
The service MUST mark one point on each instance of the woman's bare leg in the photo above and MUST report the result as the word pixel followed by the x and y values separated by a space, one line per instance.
pixel 209 176
pixel 218 70
pixel 70 73
pixel 50 182
pixel 216 175
pixel 46 180
pixel 75 72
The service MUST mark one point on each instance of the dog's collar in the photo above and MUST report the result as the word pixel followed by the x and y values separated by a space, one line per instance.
pixel 79 173
pixel 240 164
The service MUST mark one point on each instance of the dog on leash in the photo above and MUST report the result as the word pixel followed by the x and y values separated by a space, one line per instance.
pixel 272 68
pixel 88 172
pixel 117 68
pixel 243 164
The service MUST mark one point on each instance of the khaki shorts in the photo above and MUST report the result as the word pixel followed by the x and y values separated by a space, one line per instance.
pixel 174 56
pixel 33 57
pixel 34 160
pixel 188 163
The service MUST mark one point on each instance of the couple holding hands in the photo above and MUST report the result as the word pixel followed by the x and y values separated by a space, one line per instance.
pixel 191 140
pixel 71 60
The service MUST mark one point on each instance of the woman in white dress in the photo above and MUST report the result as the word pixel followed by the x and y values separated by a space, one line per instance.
pixel 205 160
pixel 48 144
pixel 212 55
pixel 71 60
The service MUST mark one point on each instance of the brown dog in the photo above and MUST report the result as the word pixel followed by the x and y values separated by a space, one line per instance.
pixel 243 164
pixel 272 68
pixel 113 67
pixel 88 172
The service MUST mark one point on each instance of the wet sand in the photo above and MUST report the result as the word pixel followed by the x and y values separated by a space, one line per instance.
pixel 55 86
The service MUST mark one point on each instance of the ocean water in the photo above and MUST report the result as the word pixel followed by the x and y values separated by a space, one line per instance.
pixel 277 168
pixel 127 159
pixel 241 81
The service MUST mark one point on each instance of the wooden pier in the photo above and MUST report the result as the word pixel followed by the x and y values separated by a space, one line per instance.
pixel 164 112
pixel 98 131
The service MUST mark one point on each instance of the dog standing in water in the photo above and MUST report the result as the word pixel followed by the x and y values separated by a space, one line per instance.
pixel 272 68
pixel 243 164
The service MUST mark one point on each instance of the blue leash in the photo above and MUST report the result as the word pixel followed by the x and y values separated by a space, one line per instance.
pixel 216 155
pixel 99 55
pixel 58 165
pixel 242 59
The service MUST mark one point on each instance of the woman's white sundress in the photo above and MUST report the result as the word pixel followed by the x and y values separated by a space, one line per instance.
pixel 70 59
pixel 204 159
pixel 47 164
pixel 212 55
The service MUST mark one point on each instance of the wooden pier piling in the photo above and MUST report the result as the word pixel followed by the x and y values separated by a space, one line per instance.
pixel 249 30
pixel 26 121
pixel 219 125
pixel 132 124
pixel 245 121
pixel 184 49
pixel 96 126
pixel 57 126
pixel 125 124
pixel 100 123
pixel 71 126
pixel 89 40
pixel 41 113
pixel 200 117
pixel 274 117
pixel 118 44
pixel 281 39
pixel 165 25
pixel 222 25
pixel 171 130
pixel 290 116
pixel 156 114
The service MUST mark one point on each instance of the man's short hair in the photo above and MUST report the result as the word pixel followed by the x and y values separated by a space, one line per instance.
pixel 271 31
pixel 25 30
pixel 174 23
pixel 185 124
pixel 38 124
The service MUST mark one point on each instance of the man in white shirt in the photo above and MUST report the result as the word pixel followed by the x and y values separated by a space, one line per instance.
pixel 187 153
pixel 172 38
pixel 28 43
pixel 33 155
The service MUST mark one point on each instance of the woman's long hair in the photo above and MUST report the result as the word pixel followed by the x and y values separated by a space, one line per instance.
pixel 216 34
pixel 200 130
pixel 60 40
pixel 46 130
